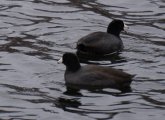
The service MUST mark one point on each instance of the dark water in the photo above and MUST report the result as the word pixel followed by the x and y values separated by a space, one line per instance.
pixel 35 33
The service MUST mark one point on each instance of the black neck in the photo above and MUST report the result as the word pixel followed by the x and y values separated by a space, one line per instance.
pixel 114 32
pixel 74 67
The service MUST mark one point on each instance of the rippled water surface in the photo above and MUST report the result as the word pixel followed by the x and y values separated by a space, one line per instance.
pixel 35 33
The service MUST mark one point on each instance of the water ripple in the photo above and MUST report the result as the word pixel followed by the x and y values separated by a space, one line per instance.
pixel 35 33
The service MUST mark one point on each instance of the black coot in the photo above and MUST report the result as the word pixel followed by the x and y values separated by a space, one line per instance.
pixel 102 43
pixel 93 76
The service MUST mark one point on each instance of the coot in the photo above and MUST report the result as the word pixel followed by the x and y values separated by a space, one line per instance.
pixel 102 43
pixel 93 76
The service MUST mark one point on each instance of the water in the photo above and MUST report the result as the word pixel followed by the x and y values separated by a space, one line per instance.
pixel 35 33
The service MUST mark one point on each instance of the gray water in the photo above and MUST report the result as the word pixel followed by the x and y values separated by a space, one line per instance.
pixel 35 33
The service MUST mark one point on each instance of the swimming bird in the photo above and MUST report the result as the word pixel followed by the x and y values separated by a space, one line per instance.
pixel 102 43
pixel 93 76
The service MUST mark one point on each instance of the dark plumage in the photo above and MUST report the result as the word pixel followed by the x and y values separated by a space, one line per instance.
pixel 102 43
pixel 93 76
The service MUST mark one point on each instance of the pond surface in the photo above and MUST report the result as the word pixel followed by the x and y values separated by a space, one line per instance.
pixel 35 33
